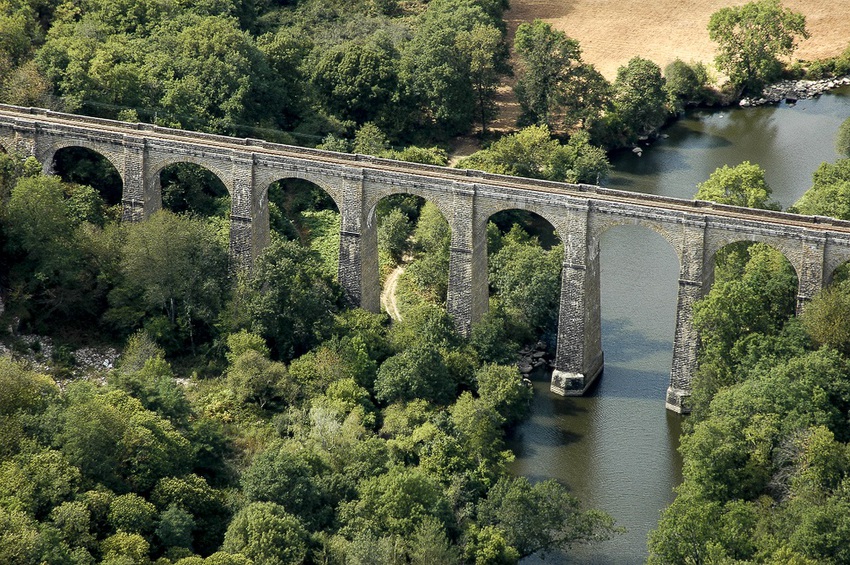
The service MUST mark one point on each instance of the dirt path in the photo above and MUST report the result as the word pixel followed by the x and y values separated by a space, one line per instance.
pixel 388 301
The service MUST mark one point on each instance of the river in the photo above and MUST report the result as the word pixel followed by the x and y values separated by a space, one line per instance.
pixel 616 447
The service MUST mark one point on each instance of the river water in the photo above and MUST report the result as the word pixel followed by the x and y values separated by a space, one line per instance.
pixel 616 447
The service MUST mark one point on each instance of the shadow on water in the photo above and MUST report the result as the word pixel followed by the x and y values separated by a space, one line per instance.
pixel 631 342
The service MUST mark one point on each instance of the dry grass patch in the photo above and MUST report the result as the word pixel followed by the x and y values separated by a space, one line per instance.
pixel 613 31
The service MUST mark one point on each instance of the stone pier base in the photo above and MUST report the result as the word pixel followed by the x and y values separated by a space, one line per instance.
pixel 677 400
pixel 566 383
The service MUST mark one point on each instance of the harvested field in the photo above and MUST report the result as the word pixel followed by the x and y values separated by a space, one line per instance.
pixel 612 31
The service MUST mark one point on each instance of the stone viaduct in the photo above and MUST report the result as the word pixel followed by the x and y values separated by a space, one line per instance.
pixel 580 214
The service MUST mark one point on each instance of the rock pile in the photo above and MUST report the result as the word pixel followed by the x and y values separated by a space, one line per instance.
pixel 531 358
pixel 86 362
pixel 793 90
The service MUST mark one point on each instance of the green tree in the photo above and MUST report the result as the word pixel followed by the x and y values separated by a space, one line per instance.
pixel 533 153
pixel 742 185
pixel 435 73
pixel 397 503
pixel 393 232
pixel 501 387
pixel 175 527
pixel 289 301
pixel 254 378
pixel 357 80
pixel 639 99
pixel 205 504
pixel 174 280
pixel 750 39
pixel 282 475
pixel 823 317
pixel 482 45
pixel 132 514
pixel 125 547
pixel 556 87
pixel 419 372
pixel 266 533
pixel 113 440
pixel 685 84
pixel 34 482
pixel 543 517
pixel 527 279
pixel 51 269
pixel 842 138
pixel 830 192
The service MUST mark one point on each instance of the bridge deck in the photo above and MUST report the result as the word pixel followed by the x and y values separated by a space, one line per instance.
pixel 46 118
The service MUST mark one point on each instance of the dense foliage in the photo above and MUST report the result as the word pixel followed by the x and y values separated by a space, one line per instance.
pixel 766 465
pixel 307 432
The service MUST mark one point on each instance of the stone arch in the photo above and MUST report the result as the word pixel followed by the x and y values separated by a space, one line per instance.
pixel 602 223
pixel 559 222
pixel 789 248
pixel 5 145
pixel 107 180
pixel 157 165
pixel 373 197
pixel 835 261
pixel 47 155
pixel 265 177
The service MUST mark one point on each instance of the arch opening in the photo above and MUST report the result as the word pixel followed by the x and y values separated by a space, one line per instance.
pixel 638 298
pixel 524 264
pixel 188 188
pixel 83 169
pixel 413 239
pixel 303 211
pixel 751 300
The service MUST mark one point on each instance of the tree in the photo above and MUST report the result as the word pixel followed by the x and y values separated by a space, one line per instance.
pixel 205 504
pixel 639 98
pixel 542 517
pixel 527 279
pixel 175 527
pixel 395 503
pixel 742 185
pixel 282 475
pixel 50 264
pixel 356 80
pixel 685 84
pixel 830 192
pixel 501 387
pixel 824 317
pixel 751 37
pixel 254 378
pixel 414 373
pixel 482 45
pixel 266 533
pixel 289 301
pixel 393 233
pixel 174 280
pixel 842 138
pixel 532 153
pixel 435 73
pixel 132 514
pixel 556 87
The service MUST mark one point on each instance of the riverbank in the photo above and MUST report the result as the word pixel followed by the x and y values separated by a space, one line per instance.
pixel 793 90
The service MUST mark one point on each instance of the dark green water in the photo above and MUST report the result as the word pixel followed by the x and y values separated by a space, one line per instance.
pixel 616 448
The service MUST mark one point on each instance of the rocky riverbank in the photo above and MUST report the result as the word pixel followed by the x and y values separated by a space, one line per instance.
pixel 793 90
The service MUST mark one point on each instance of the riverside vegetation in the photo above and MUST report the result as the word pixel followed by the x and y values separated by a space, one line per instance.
pixel 348 440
